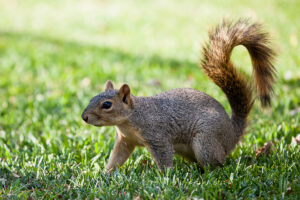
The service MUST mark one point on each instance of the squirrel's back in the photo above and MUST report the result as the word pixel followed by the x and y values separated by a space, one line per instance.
pixel 180 113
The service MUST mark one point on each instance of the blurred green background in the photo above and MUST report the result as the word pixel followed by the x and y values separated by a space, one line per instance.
pixel 57 54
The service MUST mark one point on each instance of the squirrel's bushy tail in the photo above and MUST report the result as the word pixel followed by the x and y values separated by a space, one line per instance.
pixel 217 66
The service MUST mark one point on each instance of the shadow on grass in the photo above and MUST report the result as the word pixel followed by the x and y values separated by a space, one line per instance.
pixel 118 54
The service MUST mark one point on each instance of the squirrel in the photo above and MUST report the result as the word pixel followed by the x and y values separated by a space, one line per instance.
pixel 186 121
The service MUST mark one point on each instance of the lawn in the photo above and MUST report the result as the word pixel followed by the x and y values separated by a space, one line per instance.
pixel 56 55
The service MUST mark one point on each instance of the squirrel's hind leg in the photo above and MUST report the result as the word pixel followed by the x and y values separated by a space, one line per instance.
pixel 208 151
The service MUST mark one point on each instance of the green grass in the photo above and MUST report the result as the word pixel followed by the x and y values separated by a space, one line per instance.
pixel 56 55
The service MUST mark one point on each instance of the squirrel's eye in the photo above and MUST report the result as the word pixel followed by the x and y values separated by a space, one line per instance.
pixel 106 105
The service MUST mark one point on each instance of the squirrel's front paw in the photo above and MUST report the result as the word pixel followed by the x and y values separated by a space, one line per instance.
pixel 109 170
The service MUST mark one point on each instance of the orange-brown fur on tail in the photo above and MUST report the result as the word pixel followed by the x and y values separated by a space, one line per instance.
pixel 217 65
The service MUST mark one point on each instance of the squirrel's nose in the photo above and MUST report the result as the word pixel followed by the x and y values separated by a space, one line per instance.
pixel 84 117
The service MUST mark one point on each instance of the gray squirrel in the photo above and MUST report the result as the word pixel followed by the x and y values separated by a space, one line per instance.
pixel 186 121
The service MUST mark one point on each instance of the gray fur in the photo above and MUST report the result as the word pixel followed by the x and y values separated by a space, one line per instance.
pixel 186 121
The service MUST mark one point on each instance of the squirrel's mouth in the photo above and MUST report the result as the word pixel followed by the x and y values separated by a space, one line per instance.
pixel 98 123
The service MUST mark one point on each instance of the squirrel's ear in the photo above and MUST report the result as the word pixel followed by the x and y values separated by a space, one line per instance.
pixel 124 94
pixel 109 85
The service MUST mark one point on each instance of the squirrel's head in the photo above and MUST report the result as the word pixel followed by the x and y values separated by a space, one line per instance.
pixel 109 108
